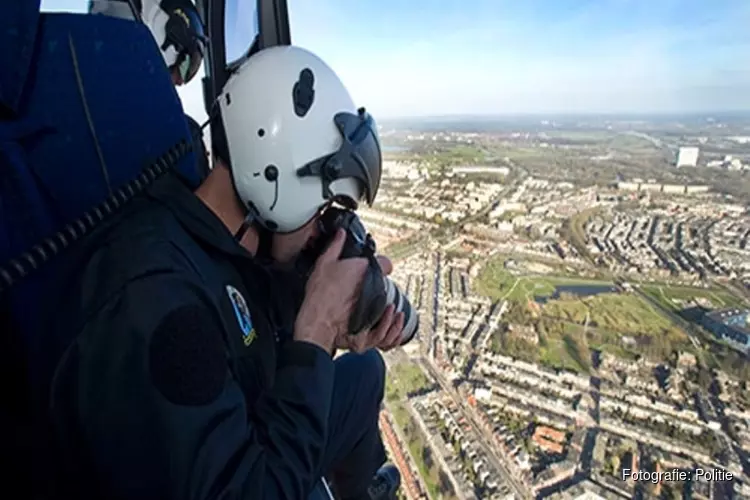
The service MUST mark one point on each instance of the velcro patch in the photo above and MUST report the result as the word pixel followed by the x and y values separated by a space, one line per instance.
pixel 187 360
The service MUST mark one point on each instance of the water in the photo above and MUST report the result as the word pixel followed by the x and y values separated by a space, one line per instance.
pixel 580 290
pixel 394 149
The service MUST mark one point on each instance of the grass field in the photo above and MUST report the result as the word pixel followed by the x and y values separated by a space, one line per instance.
pixel 567 353
pixel 570 325
pixel 495 282
pixel 404 378
pixel 621 313
pixel 677 298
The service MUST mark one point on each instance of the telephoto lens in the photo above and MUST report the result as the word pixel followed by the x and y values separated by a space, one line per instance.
pixel 411 317
pixel 374 298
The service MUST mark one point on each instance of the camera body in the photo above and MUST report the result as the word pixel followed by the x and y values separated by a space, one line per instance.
pixel 377 290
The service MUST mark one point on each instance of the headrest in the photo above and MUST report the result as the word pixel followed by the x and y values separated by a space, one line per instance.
pixel 18 26
pixel 103 105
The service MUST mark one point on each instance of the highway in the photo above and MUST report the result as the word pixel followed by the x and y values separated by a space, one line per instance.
pixel 497 461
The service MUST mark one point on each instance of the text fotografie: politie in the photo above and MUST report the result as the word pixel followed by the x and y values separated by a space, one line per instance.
pixel 677 475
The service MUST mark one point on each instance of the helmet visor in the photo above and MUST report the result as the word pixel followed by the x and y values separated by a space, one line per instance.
pixel 185 32
pixel 188 64
pixel 359 157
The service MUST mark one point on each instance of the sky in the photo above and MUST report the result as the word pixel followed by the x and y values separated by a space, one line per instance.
pixel 441 57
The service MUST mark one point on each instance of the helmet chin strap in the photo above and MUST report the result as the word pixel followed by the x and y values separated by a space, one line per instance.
pixel 265 237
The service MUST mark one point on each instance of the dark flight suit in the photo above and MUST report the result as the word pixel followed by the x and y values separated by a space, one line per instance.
pixel 180 385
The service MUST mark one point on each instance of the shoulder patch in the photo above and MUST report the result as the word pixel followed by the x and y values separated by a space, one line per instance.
pixel 242 313
pixel 187 359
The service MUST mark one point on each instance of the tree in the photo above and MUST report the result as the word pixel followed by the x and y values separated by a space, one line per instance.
pixel 427 457
pixel 704 378
pixel 444 484
pixel 614 463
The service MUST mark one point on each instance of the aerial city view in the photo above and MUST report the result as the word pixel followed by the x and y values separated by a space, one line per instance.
pixel 566 201
pixel 584 287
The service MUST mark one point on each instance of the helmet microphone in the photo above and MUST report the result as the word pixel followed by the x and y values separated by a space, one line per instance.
pixel 271 174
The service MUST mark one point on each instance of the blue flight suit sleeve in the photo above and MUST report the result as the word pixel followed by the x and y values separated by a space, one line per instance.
pixel 162 416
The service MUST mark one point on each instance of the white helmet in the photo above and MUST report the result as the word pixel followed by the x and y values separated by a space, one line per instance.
pixel 295 140
pixel 176 26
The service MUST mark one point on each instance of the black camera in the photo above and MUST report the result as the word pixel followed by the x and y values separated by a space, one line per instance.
pixel 377 290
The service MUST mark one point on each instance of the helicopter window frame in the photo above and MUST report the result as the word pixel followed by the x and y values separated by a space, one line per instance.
pixel 250 48
pixel 273 30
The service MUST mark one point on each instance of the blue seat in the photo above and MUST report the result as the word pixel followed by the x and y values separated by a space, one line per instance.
pixel 86 104
pixel 97 107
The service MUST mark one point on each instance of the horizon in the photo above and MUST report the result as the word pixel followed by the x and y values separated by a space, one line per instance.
pixel 546 57
pixel 583 114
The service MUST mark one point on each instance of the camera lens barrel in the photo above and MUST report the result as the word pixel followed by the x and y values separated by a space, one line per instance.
pixel 401 303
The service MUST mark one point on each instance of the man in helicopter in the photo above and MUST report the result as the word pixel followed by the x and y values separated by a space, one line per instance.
pixel 182 381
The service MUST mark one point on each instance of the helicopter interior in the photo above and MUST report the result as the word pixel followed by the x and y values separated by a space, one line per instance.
pixel 71 156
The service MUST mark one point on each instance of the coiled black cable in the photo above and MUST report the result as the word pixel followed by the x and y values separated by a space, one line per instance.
pixel 17 269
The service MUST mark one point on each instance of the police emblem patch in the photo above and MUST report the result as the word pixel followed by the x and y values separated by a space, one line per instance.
pixel 243 315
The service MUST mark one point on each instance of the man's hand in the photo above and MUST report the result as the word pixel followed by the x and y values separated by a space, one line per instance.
pixel 330 294
pixel 386 334
pixel 385 264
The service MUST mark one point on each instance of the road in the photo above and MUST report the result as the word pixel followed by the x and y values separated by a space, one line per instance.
pixel 498 462
pixel 404 443
pixel 437 453
pixel 693 333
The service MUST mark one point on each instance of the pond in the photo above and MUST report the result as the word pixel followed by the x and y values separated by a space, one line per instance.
pixel 580 290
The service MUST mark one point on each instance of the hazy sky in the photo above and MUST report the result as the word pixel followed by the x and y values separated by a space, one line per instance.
pixel 434 57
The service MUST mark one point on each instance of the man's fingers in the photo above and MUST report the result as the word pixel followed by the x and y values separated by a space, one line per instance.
pixel 385 264
pixel 393 337
pixel 378 334
pixel 333 252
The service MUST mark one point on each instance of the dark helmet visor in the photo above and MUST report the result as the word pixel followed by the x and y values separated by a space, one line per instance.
pixel 185 32
pixel 359 157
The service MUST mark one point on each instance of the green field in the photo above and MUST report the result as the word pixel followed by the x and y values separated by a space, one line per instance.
pixel 404 378
pixel 613 316
pixel 614 312
pixel 565 338
pixel 565 348
pixel 568 353
pixel 569 326
pixel 677 298
pixel 495 282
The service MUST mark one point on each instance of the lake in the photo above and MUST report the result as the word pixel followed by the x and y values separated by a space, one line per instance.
pixel 580 290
